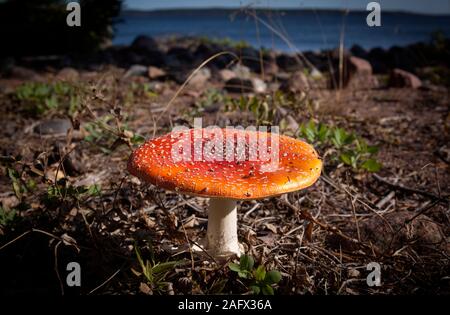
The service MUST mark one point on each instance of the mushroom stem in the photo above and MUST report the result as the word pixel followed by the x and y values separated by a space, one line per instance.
pixel 222 239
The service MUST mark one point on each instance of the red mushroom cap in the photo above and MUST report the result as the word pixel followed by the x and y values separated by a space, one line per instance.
pixel 237 174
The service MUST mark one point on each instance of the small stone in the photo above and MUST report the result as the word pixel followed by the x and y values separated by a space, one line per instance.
pixel 23 73
pixel 404 79
pixel 353 273
pixel 226 74
pixel 53 127
pixel 156 73
pixel 297 82
pixel 316 74
pixel 241 71
pixel 259 86
pixel 239 85
pixel 199 80
pixel 135 70
pixel 68 74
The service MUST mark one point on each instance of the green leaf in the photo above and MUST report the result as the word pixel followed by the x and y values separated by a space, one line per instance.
pixel 242 103
pixel 7 217
pixel 165 266
pixel 372 149
pixel 137 139
pixel 254 106
pixel 267 290
pixel 260 273
pixel 234 267
pixel 272 277
pixel 94 190
pixel 51 102
pixel 346 158
pixel 371 165
pixel 13 174
pixel 17 189
pixel 243 274
pixel 218 286
pixel 256 289
pixel 246 262
pixel 31 184
pixel 323 133
pixel 138 255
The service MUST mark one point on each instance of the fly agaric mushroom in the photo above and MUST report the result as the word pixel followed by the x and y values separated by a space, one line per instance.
pixel 226 165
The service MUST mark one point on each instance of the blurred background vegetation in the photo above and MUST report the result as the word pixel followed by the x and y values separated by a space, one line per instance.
pixel 38 27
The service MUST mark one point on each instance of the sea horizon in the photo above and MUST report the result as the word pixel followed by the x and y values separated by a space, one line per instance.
pixel 306 29
pixel 261 9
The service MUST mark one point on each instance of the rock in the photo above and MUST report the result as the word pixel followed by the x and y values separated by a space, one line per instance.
pixel 144 43
pixel 239 85
pixel 353 273
pixel 22 73
pixel 53 127
pixel 288 62
pixel 68 74
pixel 250 58
pixel 360 73
pixel 253 85
pixel 297 82
pixel 241 71
pixel 262 63
pixel 155 73
pixel 418 233
pixel 316 74
pixel 200 79
pixel 136 70
pixel 359 66
pixel 319 60
pixel 404 58
pixel 270 67
pixel 378 58
pixel 207 50
pixel 358 51
pixel 226 74
pixel 259 86
pixel 9 201
pixel 144 50
pixel 181 53
pixel 357 73
pixel 180 57
pixel 403 79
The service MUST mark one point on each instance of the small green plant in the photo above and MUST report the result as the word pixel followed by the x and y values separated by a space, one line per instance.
pixel 347 147
pixel 262 112
pixel 143 90
pixel 154 273
pixel 210 98
pixel 267 109
pixel 39 98
pixel 56 194
pixel 18 184
pixel 315 133
pixel 7 216
pixel 262 281
pixel 103 134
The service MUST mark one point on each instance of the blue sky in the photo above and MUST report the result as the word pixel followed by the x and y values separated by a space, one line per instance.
pixel 418 6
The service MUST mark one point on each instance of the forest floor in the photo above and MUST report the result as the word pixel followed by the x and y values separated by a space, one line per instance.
pixel 66 194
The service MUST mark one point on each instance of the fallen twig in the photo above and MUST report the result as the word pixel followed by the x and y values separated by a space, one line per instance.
pixel 411 190
pixel 306 216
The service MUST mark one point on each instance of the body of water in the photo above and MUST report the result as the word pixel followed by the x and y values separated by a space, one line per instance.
pixel 306 30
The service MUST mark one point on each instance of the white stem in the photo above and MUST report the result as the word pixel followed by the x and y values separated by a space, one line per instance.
pixel 222 239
